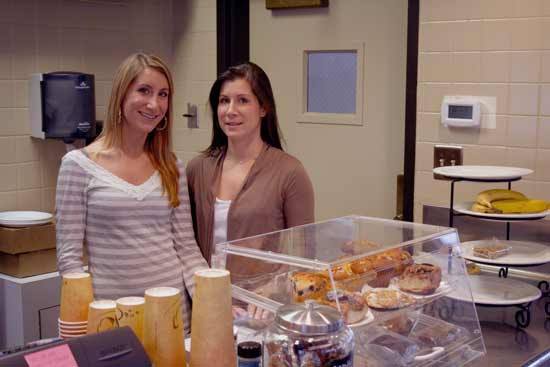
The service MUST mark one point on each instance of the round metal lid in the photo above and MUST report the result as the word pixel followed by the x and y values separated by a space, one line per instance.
pixel 309 318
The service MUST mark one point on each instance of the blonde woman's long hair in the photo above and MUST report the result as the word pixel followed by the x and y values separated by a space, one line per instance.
pixel 158 144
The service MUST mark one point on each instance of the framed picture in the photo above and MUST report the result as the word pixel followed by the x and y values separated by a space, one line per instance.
pixel 288 4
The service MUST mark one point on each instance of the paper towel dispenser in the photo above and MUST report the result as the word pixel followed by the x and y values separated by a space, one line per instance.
pixel 62 106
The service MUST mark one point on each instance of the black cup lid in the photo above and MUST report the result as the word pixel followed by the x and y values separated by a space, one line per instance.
pixel 249 349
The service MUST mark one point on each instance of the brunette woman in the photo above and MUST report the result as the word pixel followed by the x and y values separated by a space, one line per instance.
pixel 244 184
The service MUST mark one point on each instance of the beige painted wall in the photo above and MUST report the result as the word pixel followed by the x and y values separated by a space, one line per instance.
pixel 496 48
pixel 194 71
pixel 353 168
pixel 94 37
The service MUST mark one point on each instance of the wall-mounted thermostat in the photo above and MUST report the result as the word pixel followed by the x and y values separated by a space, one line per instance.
pixel 461 111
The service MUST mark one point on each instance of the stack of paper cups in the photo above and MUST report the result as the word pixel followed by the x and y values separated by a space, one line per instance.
pixel 212 342
pixel 129 312
pixel 69 330
pixel 163 327
pixel 76 295
pixel 101 316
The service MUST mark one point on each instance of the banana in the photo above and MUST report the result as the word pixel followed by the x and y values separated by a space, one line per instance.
pixel 519 206
pixel 483 209
pixel 486 197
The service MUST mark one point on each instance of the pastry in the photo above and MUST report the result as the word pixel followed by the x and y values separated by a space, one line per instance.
pixel 404 347
pixel 387 299
pixel 439 335
pixel 420 279
pixel 308 286
pixel 347 279
pixel 473 269
pixel 340 272
pixel 357 247
pixel 400 324
pixel 491 251
pixel 387 265
pixel 352 305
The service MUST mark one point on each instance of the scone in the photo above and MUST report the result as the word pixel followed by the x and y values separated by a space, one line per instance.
pixel 420 279
pixel 308 286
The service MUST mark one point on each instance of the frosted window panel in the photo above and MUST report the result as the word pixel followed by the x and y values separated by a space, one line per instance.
pixel 331 82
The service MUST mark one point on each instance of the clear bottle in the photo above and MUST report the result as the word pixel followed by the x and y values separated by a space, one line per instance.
pixel 249 354
pixel 309 335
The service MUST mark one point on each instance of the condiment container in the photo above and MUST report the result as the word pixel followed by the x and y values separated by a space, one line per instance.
pixel 249 354
pixel 308 334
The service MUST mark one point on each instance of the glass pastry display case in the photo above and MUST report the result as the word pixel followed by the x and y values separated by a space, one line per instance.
pixel 393 282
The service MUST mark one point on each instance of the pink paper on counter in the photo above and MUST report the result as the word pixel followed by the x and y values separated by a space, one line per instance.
pixel 60 356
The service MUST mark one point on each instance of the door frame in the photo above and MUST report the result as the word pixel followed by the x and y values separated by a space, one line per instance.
pixel 233 47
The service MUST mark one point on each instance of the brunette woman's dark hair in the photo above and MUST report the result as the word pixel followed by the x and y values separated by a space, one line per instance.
pixel 261 87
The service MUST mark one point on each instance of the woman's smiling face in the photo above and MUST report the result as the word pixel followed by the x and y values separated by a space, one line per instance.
pixel 146 101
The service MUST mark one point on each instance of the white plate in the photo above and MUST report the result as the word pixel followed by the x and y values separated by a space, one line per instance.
pixel 521 252
pixel 482 172
pixel 464 208
pixel 494 291
pixel 24 218
pixel 368 318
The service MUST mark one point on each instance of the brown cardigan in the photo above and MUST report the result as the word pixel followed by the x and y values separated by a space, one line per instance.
pixel 276 194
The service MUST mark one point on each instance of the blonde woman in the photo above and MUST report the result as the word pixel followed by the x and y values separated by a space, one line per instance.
pixel 125 198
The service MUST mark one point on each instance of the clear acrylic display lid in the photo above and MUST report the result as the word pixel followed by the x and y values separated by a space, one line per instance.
pixel 333 242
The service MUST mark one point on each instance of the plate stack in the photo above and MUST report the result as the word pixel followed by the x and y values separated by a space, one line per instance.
pixel 27 243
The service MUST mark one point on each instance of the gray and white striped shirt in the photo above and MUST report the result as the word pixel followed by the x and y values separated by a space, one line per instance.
pixel 134 238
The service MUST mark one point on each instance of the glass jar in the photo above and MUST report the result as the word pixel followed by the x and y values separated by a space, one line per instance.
pixel 308 335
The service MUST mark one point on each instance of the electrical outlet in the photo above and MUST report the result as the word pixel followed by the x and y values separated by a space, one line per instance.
pixel 447 155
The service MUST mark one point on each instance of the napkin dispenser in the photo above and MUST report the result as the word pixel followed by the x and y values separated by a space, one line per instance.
pixel 113 348
pixel 62 106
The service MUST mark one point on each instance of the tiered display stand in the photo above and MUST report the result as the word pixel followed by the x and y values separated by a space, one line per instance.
pixel 488 291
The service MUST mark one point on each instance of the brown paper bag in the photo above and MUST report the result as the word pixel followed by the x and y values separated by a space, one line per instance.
pixel 212 342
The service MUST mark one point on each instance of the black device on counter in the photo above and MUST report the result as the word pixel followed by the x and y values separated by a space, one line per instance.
pixel 118 347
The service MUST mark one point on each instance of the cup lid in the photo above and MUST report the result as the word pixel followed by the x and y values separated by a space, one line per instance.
pixel 249 349
pixel 309 318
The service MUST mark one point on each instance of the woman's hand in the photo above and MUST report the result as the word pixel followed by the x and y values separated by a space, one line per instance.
pixel 258 313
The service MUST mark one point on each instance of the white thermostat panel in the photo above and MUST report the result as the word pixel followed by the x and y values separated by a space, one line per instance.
pixel 461 111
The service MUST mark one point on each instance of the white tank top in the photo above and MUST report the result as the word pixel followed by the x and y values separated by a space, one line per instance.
pixel 221 208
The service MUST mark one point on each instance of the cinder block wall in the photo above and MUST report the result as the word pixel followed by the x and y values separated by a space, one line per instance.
pixel 497 48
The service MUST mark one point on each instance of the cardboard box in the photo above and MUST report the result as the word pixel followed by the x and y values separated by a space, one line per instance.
pixel 28 263
pixel 21 240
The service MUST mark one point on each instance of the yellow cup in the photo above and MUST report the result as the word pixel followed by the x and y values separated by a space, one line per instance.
pixel 101 316
pixel 129 312
pixel 76 295
pixel 163 327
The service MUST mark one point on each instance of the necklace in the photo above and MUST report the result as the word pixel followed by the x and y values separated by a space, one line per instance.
pixel 241 162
